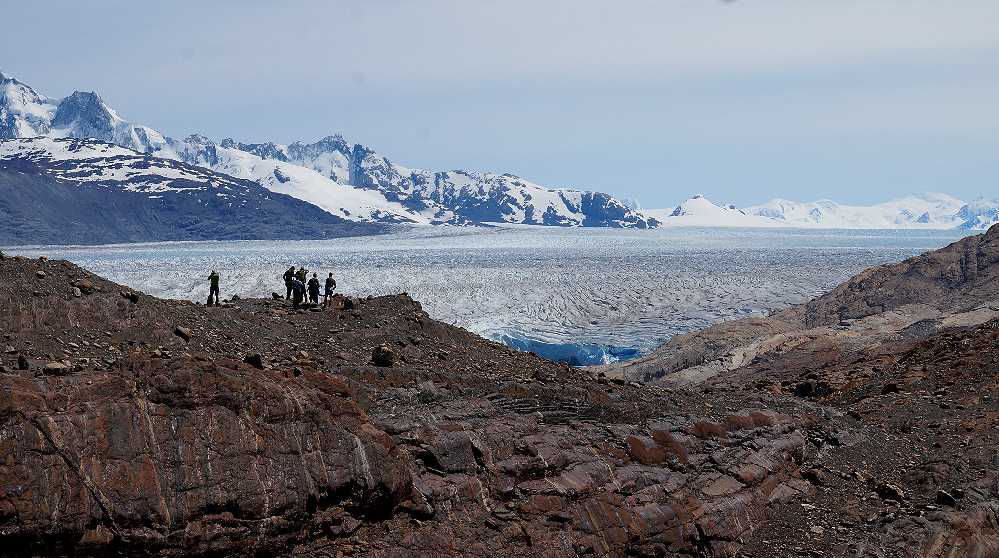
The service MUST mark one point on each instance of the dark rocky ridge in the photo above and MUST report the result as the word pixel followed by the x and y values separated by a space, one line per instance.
pixel 956 284
pixel 121 437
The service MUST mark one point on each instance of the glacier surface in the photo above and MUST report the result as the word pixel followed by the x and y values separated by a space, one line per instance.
pixel 581 295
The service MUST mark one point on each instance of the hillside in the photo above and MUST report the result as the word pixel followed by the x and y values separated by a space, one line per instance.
pixel 68 191
pixel 154 427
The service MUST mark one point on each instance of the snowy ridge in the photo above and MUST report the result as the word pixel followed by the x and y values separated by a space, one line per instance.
pixel 926 211
pixel 348 181
pixel 87 191
pixel 95 162
pixel 699 211
pixel 287 178
pixel 454 197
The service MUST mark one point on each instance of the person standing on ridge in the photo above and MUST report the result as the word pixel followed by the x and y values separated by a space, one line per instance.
pixel 297 292
pixel 302 275
pixel 288 276
pixel 213 289
pixel 330 287
pixel 314 289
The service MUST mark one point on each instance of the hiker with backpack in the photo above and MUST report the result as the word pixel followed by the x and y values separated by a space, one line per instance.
pixel 288 276
pixel 213 288
pixel 297 292
pixel 314 289
pixel 330 287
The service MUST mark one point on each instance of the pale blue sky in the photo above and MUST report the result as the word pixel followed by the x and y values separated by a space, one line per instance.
pixel 857 101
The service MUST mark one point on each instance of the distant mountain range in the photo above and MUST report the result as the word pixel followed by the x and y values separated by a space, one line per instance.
pixel 349 181
pixel 926 211
pixel 85 191
pixel 340 181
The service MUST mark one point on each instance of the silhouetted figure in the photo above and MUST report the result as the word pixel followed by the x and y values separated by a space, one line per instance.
pixel 288 276
pixel 297 292
pixel 314 289
pixel 213 289
pixel 302 275
pixel 330 287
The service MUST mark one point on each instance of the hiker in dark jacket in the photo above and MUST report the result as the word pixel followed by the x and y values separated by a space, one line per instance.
pixel 314 289
pixel 297 292
pixel 288 276
pixel 213 289
pixel 302 275
pixel 330 287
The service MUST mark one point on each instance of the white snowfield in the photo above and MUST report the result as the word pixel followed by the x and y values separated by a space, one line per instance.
pixel 285 178
pixel 95 161
pixel 698 211
pixel 925 211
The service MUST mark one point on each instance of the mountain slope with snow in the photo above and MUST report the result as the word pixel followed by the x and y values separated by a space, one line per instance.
pixel 925 211
pixel 699 211
pixel 85 191
pixel 349 181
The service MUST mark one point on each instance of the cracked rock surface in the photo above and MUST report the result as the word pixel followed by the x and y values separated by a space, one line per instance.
pixel 268 431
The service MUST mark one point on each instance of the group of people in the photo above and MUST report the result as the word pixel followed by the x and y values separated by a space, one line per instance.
pixel 298 284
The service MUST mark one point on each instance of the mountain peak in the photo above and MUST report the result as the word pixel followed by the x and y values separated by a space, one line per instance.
pixel 86 109
pixel 199 139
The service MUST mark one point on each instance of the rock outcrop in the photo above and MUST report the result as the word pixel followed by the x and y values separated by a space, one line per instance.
pixel 265 430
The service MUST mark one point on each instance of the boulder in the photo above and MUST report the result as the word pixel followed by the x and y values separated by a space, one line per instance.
pixel 383 356
pixel 255 360
pixel 183 332
pixel 85 286
pixel 57 369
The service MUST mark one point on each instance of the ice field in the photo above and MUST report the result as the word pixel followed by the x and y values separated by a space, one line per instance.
pixel 581 295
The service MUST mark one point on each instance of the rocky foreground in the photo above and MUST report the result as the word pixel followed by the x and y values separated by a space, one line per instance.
pixel 131 425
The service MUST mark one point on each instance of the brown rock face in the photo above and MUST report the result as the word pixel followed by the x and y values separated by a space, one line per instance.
pixel 274 436
pixel 192 454
pixel 269 431
pixel 914 295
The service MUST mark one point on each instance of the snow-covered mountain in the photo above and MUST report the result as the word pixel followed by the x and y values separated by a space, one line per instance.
pixel 923 211
pixel 349 181
pixel 86 191
pixel 979 215
pixel 698 211
pixel 926 211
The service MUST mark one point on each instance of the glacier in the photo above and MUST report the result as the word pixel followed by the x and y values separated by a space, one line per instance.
pixel 579 295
